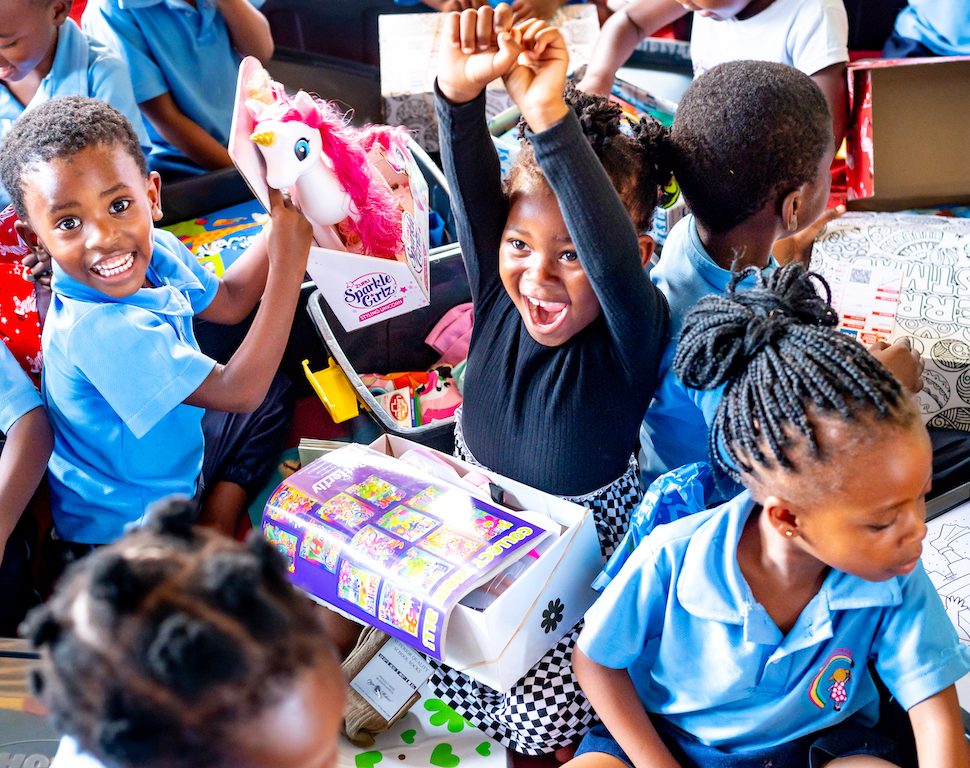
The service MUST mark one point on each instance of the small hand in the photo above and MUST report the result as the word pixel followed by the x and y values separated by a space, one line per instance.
pixel 902 361
pixel 290 233
pixel 477 47
pixel 537 80
pixel 457 5
pixel 798 247
pixel 38 261
pixel 535 9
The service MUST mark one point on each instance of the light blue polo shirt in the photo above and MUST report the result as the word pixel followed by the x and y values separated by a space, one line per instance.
pixel 171 46
pixel 943 26
pixel 675 427
pixel 81 67
pixel 116 373
pixel 702 652
pixel 19 394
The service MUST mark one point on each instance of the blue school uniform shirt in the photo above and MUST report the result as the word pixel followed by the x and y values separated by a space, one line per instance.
pixel 675 427
pixel 171 46
pixel 943 26
pixel 116 373
pixel 19 394
pixel 81 67
pixel 704 654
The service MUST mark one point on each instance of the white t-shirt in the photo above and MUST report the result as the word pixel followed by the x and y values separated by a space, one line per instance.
pixel 806 34
pixel 69 755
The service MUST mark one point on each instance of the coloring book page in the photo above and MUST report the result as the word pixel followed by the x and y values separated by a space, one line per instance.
pixel 946 558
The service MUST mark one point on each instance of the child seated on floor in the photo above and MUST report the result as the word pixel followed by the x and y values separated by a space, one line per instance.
pixel 757 173
pixel 25 447
pixel 124 382
pixel 44 54
pixel 810 35
pixel 568 330
pixel 183 58
pixel 746 635
pixel 175 646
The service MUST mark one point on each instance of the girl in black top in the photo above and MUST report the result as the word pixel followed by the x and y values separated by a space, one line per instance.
pixel 568 329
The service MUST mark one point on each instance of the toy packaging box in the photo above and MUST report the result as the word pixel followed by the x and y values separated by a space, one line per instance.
pixel 928 258
pixel 218 239
pixel 434 562
pixel 906 143
pixel 409 52
pixel 369 212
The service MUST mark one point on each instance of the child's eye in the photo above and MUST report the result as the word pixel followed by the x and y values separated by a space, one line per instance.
pixel 879 526
pixel 120 206
pixel 519 245
pixel 71 222
pixel 568 256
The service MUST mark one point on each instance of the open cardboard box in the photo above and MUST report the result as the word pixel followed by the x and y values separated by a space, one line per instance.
pixel 498 645
pixel 360 289
pixel 908 132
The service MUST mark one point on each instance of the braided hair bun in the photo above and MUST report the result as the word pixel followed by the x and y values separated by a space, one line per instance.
pixel 775 350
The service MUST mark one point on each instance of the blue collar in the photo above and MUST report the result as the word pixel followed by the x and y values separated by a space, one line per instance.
pixel 711 586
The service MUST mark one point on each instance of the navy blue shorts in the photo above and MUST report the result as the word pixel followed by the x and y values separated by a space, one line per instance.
pixel 811 751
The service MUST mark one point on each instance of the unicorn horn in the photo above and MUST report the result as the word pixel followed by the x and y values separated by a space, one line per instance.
pixel 263 138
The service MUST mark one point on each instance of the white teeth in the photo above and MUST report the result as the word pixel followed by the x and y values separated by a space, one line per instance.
pixel 114 266
pixel 554 306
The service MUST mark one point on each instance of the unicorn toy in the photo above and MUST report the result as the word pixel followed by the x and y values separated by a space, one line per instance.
pixel 312 152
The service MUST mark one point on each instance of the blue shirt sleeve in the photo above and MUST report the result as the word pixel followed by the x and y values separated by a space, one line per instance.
pixel 19 394
pixel 918 653
pixel 630 613
pixel 108 80
pixel 117 28
pixel 145 371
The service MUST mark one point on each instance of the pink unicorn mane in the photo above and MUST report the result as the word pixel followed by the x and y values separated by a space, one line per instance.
pixel 378 221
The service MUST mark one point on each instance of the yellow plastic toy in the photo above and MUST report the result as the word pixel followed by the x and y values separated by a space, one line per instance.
pixel 334 390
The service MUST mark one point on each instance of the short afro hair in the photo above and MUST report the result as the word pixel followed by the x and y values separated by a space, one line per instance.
pixel 158 649
pixel 747 132
pixel 60 128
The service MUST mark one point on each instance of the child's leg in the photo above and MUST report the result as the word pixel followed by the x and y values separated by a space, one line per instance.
pixel 595 760
pixel 241 450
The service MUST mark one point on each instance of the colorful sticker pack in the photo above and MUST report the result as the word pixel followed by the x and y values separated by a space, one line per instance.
pixel 372 529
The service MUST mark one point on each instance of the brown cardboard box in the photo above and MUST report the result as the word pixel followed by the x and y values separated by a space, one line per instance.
pixel 409 53
pixel 908 140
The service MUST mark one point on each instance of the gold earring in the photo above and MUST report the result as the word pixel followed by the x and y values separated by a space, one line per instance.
pixel 793 224
pixel 789 532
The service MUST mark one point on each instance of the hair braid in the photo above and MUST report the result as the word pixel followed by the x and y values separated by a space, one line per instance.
pixel 775 350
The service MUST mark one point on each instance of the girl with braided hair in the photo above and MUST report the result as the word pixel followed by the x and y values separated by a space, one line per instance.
pixel 568 329
pixel 717 643
pixel 175 647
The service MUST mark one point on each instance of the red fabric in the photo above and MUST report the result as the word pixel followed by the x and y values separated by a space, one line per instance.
pixel 77 9
pixel 19 321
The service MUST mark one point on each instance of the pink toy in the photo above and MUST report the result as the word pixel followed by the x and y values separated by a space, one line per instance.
pixel 439 398
pixel 311 151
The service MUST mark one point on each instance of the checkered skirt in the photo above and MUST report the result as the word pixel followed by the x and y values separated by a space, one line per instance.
pixel 546 709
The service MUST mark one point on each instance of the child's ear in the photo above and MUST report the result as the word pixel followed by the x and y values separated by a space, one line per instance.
pixel 791 205
pixel 28 235
pixel 647 248
pixel 782 515
pixel 60 10
pixel 154 190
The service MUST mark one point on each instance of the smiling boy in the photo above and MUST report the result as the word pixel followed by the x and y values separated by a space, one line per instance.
pixel 124 380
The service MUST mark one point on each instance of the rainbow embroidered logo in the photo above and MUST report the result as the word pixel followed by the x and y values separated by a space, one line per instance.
pixel 830 682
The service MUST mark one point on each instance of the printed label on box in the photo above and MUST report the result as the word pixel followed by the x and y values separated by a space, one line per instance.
pixel 392 677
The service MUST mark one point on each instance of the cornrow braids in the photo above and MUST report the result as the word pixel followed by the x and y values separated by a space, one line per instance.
pixel 157 649
pixel 639 162
pixel 775 350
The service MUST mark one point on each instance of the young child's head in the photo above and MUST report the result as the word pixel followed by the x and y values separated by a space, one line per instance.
pixel 78 180
pixel 537 259
pixel 724 9
pixel 28 36
pixel 819 431
pixel 751 135
pixel 175 647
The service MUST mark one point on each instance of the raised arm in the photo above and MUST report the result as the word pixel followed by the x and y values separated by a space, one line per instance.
pixel 242 285
pixel 616 703
pixel 241 384
pixel 248 29
pixel 475 50
pixel 619 37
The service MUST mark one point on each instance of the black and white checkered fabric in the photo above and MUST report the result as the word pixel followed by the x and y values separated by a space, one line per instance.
pixel 546 709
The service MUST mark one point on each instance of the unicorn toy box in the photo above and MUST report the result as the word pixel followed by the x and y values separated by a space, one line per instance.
pixel 360 189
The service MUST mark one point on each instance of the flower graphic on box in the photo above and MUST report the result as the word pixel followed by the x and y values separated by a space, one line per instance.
pixel 552 616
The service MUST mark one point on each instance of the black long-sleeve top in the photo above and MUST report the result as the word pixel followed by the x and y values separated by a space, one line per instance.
pixel 562 419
